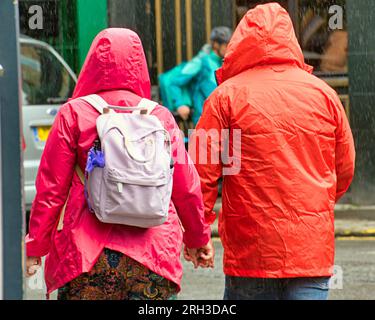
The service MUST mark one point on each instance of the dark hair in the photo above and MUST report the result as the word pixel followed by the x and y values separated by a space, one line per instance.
pixel 221 35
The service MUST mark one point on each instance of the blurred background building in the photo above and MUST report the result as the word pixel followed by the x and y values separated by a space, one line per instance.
pixel 174 30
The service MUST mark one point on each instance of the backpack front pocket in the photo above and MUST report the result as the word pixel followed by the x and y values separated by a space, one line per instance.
pixel 141 199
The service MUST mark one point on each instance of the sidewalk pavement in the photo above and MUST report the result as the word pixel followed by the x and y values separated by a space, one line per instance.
pixel 350 221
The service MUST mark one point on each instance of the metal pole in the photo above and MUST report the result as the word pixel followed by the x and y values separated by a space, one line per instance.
pixel 178 31
pixel 208 14
pixel 159 36
pixel 189 29
pixel 1 209
pixel 293 8
pixel 10 123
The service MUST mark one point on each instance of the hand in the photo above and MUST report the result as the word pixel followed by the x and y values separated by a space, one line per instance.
pixel 191 255
pixel 206 256
pixel 184 112
pixel 32 265
pixel 202 257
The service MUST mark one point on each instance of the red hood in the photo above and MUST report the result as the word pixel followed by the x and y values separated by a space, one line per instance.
pixel 265 36
pixel 116 61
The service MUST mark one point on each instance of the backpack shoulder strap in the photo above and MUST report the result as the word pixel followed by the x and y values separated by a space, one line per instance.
pixel 81 176
pixel 96 102
pixel 148 105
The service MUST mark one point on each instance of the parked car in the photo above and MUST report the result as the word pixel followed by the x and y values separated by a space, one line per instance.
pixel 47 83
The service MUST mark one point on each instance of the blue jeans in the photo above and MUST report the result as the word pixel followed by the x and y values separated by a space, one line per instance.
pixel 276 289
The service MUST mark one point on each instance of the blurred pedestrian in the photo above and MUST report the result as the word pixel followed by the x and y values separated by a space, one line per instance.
pixel 335 55
pixel 185 88
pixel 88 259
pixel 297 160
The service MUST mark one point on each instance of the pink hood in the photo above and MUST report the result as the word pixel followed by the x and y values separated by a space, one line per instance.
pixel 112 65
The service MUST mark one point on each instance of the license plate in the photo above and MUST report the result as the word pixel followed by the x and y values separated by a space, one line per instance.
pixel 41 133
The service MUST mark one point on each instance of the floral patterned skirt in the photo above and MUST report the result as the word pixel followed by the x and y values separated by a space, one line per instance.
pixel 118 277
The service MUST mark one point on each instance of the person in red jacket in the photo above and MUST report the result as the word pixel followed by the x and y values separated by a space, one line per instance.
pixel 90 260
pixel 292 161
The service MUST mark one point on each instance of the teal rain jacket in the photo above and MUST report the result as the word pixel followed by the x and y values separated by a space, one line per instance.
pixel 191 83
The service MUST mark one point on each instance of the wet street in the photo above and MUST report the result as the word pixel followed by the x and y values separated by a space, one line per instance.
pixel 356 257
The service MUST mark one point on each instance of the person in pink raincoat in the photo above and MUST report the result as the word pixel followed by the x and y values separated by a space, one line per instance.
pixel 88 259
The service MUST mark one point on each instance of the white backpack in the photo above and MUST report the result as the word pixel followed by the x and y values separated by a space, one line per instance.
pixel 135 186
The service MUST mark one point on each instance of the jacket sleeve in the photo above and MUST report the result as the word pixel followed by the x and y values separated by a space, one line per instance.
pixel 204 147
pixel 345 152
pixel 180 82
pixel 53 183
pixel 187 194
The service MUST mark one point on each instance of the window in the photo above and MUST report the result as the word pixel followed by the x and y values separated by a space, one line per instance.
pixel 45 80
pixel 324 47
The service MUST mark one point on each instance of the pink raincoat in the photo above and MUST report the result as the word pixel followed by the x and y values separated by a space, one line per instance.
pixel 116 69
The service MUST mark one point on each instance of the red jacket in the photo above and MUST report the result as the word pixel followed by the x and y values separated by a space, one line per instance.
pixel 116 68
pixel 297 154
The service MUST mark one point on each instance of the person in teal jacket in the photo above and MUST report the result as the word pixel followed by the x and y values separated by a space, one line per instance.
pixel 185 88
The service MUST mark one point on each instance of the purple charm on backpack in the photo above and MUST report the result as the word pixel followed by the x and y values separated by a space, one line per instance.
pixel 95 159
